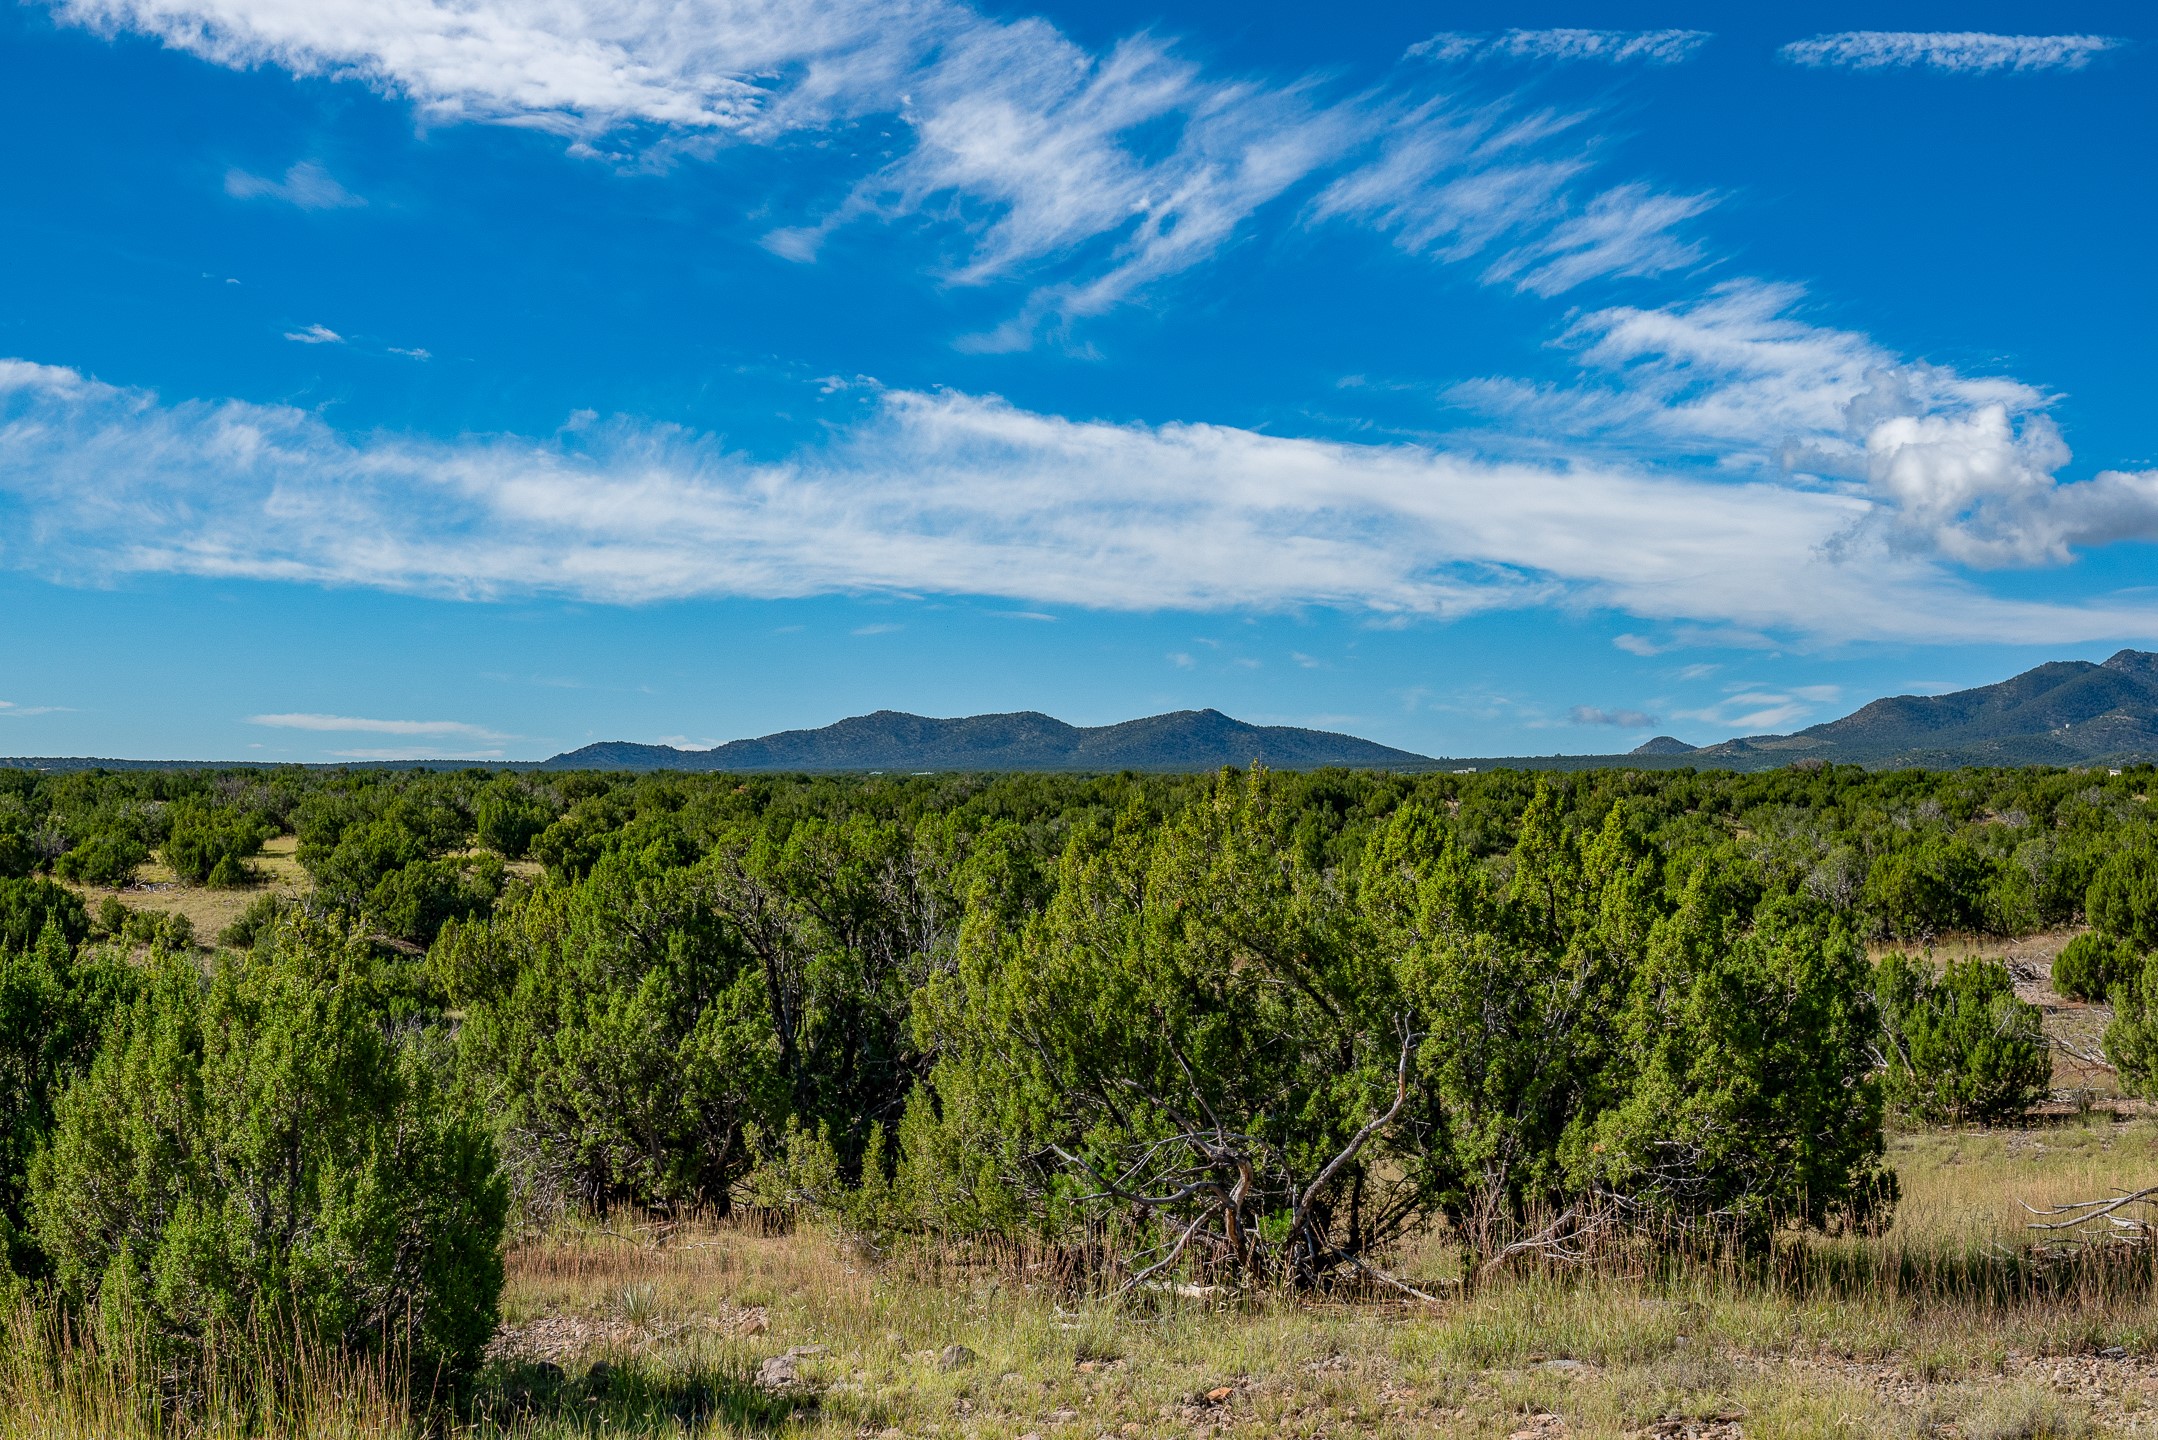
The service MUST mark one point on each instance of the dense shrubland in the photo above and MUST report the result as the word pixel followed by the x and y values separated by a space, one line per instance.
pixel 1251 1027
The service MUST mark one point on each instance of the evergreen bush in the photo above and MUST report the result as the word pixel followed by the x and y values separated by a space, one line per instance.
pixel 256 1155
pixel 1960 1047
pixel 2090 965
pixel 109 857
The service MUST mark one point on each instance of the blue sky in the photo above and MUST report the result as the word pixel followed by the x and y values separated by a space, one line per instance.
pixel 392 378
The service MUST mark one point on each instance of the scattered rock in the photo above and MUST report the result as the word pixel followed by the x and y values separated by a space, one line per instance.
pixel 1540 1427
pixel 755 1323
pixel 955 1357
pixel 778 1373
pixel 1568 1367
pixel 1220 1394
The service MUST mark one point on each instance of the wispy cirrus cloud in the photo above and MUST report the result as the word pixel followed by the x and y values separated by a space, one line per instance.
pixel 1609 47
pixel 1626 230
pixel 1962 52
pixel 1086 175
pixel 305 185
pixel 968 495
pixel 1490 183
pixel 1755 709
pixel 9 710
pixel 362 725
pixel 315 335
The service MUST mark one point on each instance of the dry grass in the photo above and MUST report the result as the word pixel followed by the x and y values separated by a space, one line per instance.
pixel 1950 1325
pixel 157 888
pixel 644 1330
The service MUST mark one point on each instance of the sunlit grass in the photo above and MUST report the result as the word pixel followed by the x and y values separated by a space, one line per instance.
pixel 1946 1325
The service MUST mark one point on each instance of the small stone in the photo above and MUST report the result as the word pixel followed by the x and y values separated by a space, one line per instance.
pixel 955 1357
pixel 754 1325
pixel 2114 1352
pixel 599 1377
pixel 1220 1394
pixel 778 1373
pixel 1568 1367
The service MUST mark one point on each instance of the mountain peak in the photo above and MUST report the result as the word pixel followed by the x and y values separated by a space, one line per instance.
pixel 2065 712
pixel 1182 740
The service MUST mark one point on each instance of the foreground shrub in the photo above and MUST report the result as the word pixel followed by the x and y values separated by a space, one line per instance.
pixel 53 1010
pixel 109 857
pixel 1960 1047
pixel 2090 965
pixel 2131 1041
pixel 1745 1061
pixel 257 1154
pixel 1930 887
pixel 212 847
pixel 412 904
pixel 617 1037
pixel 18 858
pixel 508 817
pixel 1277 1069
pixel 1189 1017
pixel 28 906
pixel 2123 899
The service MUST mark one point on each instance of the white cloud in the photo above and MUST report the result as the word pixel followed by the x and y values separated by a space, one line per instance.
pixel 355 724
pixel 1754 712
pixel 1737 375
pixel 1452 182
pixel 1617 719
pixel 1963 468
pixel 316 335
pixel 1086 175
pixel 957 494
pixel 306 185
pixel 1957 52
pixel 412 354
pixel 416 752
pixel 1611 47
pixel 1043 147
pixel 1456 184
pixel 1624 231
pixel 9 710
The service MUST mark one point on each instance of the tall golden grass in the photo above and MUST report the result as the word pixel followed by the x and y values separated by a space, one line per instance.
pixel 655 1326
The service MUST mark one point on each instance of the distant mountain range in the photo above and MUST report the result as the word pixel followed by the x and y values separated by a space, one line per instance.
pixel 2070 712
pixel 1028 740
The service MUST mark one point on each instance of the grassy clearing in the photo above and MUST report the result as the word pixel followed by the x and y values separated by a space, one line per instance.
pixel 157 888
pixel 639 1329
